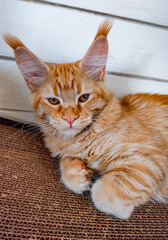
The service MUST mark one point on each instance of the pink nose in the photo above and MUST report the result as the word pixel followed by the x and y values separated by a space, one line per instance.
pixel 70 120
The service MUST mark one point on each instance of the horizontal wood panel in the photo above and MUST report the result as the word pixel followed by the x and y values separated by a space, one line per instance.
pixel 122 86
pixel 14 94
pixel 63 35
pixel 18 116
pixel 152 11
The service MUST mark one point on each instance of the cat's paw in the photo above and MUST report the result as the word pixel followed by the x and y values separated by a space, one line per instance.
pixel 75 175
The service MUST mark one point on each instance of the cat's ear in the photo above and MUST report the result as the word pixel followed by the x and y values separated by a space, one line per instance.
pixel 33 69
pixel 94 61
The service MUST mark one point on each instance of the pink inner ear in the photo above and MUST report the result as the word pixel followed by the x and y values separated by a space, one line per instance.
pixel 32 68
pixel 95 59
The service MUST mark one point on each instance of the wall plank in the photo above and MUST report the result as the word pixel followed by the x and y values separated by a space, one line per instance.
pixel 18 116
pixel 14 94
pixel 59 34
pixel 117 84
pixel 151 11
pixel 122 86
pixel 63 35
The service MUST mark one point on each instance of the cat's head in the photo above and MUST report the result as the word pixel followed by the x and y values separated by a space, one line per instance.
pixel 67 96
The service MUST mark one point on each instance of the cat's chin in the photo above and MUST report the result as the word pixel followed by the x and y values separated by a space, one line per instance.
pixel 70 132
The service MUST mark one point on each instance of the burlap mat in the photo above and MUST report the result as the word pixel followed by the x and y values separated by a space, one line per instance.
pixel 35 205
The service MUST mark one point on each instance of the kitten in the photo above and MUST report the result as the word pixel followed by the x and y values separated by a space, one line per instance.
pixel 125 140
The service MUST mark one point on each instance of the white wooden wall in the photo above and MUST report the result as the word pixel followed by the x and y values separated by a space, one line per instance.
pixel 62 30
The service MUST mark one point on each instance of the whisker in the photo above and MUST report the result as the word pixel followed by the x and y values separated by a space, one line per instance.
pixel 22 128
pixel 36 132
pixel 32 129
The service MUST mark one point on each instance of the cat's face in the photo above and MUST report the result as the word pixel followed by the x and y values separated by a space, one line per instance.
pixel 69 99
pixel 67 96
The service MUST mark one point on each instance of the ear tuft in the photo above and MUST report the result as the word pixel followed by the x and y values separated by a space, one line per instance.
pixel 32 68
pixel 13 41
pixel 104 29
pixel 94 61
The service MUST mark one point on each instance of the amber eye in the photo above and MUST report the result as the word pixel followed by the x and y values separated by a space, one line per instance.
pixel 83 98
pixel 53 101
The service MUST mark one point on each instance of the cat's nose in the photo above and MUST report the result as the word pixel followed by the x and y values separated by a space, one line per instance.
pixel 70 120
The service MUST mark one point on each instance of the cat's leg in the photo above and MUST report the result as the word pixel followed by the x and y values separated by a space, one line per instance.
pixel 115 194
pixel 75 174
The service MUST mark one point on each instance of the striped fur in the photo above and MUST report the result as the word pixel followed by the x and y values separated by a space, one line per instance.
pixel 125 140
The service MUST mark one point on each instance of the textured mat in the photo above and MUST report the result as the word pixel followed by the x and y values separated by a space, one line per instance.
pixel 35 205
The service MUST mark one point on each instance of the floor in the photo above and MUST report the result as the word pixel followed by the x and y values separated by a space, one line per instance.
pixel 35 205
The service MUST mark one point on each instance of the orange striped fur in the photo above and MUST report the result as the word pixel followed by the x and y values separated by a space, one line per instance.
pixel 125 140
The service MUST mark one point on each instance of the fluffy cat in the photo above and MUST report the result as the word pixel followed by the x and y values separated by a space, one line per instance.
pixel 125 140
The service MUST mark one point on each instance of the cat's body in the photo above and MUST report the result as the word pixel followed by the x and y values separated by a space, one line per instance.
pixel 120 145
pixel 125 140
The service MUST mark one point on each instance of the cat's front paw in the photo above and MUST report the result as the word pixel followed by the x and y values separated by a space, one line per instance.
pixel 75 175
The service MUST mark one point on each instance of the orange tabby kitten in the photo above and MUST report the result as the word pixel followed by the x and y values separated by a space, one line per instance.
pixel 125 140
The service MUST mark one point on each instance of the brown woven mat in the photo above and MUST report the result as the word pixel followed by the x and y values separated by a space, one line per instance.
pixel 35 205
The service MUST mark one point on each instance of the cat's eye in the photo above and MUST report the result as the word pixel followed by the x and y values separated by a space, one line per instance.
pixel 83 98
pixel 53 101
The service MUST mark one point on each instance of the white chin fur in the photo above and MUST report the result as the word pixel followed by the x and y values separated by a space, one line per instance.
pixel 70 132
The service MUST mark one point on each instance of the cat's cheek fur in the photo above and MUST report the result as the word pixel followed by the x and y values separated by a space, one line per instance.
pixel 83 121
